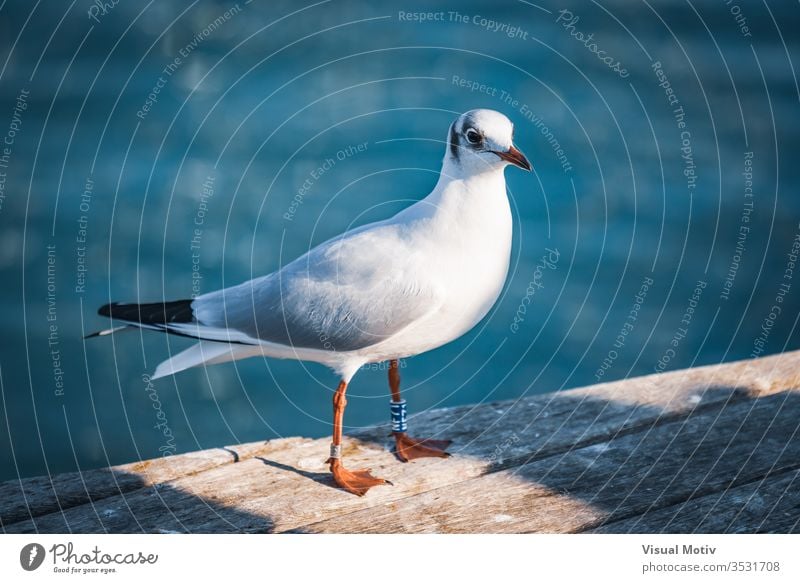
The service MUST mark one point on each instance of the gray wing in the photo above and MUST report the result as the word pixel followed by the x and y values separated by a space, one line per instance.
pixel 347 294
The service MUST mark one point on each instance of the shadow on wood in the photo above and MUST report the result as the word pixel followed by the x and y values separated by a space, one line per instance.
pixel 713 449
pixel 656 476
pixel 116 501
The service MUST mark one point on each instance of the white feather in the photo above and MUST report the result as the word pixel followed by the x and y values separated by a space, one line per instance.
pixel 384 291
pixel 201 353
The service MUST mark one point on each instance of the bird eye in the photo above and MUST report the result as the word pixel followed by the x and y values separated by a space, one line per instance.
pixel 473 137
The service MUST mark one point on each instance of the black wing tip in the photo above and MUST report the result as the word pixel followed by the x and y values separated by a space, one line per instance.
pixel 108 331
pixel 106 310
pixel 176 312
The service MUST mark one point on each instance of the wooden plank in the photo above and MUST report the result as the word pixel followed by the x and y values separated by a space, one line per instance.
pixel 217 500
pixel 588 486
pixel 765 505
pixel 31 497
pixel 290 486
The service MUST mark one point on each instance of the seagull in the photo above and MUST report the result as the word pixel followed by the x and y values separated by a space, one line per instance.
pixel 379 293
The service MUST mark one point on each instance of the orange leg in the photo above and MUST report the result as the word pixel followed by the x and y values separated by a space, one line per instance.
pixel 357 482
pixel 408 448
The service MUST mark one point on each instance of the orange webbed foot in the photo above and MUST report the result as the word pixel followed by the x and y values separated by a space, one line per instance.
pixel 356 482
pixel 408 448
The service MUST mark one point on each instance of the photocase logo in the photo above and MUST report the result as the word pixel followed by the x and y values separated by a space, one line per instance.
pixel 31 556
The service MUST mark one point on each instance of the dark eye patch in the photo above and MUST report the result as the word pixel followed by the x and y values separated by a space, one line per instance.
pixel 473 136
pixel 453 141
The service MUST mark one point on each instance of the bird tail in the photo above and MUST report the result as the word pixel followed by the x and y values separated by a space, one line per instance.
pixel 204 352
pixel 108 331
pixel 153 314
pixel 161 316
pixel 216 344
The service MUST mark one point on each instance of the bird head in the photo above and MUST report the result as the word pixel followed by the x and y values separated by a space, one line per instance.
pixel 482 139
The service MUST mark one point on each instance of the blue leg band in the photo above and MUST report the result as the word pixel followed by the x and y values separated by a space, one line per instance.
pixel 398 409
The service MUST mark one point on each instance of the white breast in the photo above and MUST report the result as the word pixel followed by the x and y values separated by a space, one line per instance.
pixel 464 249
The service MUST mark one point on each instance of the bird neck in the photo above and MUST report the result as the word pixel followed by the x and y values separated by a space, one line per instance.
pixel 469 167
pixel 461 185
pixel 463 202
pixel 462 197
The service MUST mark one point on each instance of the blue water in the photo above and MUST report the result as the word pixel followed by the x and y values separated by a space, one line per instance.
pixel 655 232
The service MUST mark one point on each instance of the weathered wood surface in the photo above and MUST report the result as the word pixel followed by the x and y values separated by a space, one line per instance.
pixel 766 505
pixel 710 449
pixel 45 494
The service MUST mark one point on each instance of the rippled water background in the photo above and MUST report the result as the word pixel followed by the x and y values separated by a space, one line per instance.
pixel 640 244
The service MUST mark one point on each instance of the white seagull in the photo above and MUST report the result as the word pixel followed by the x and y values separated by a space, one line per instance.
pixel 385 291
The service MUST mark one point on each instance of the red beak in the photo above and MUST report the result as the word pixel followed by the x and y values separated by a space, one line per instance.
pixel 516 158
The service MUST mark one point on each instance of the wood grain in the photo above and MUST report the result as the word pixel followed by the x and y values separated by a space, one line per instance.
pixel 628 476
pixel 561 462
pixel 770 504
pixel 31 497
